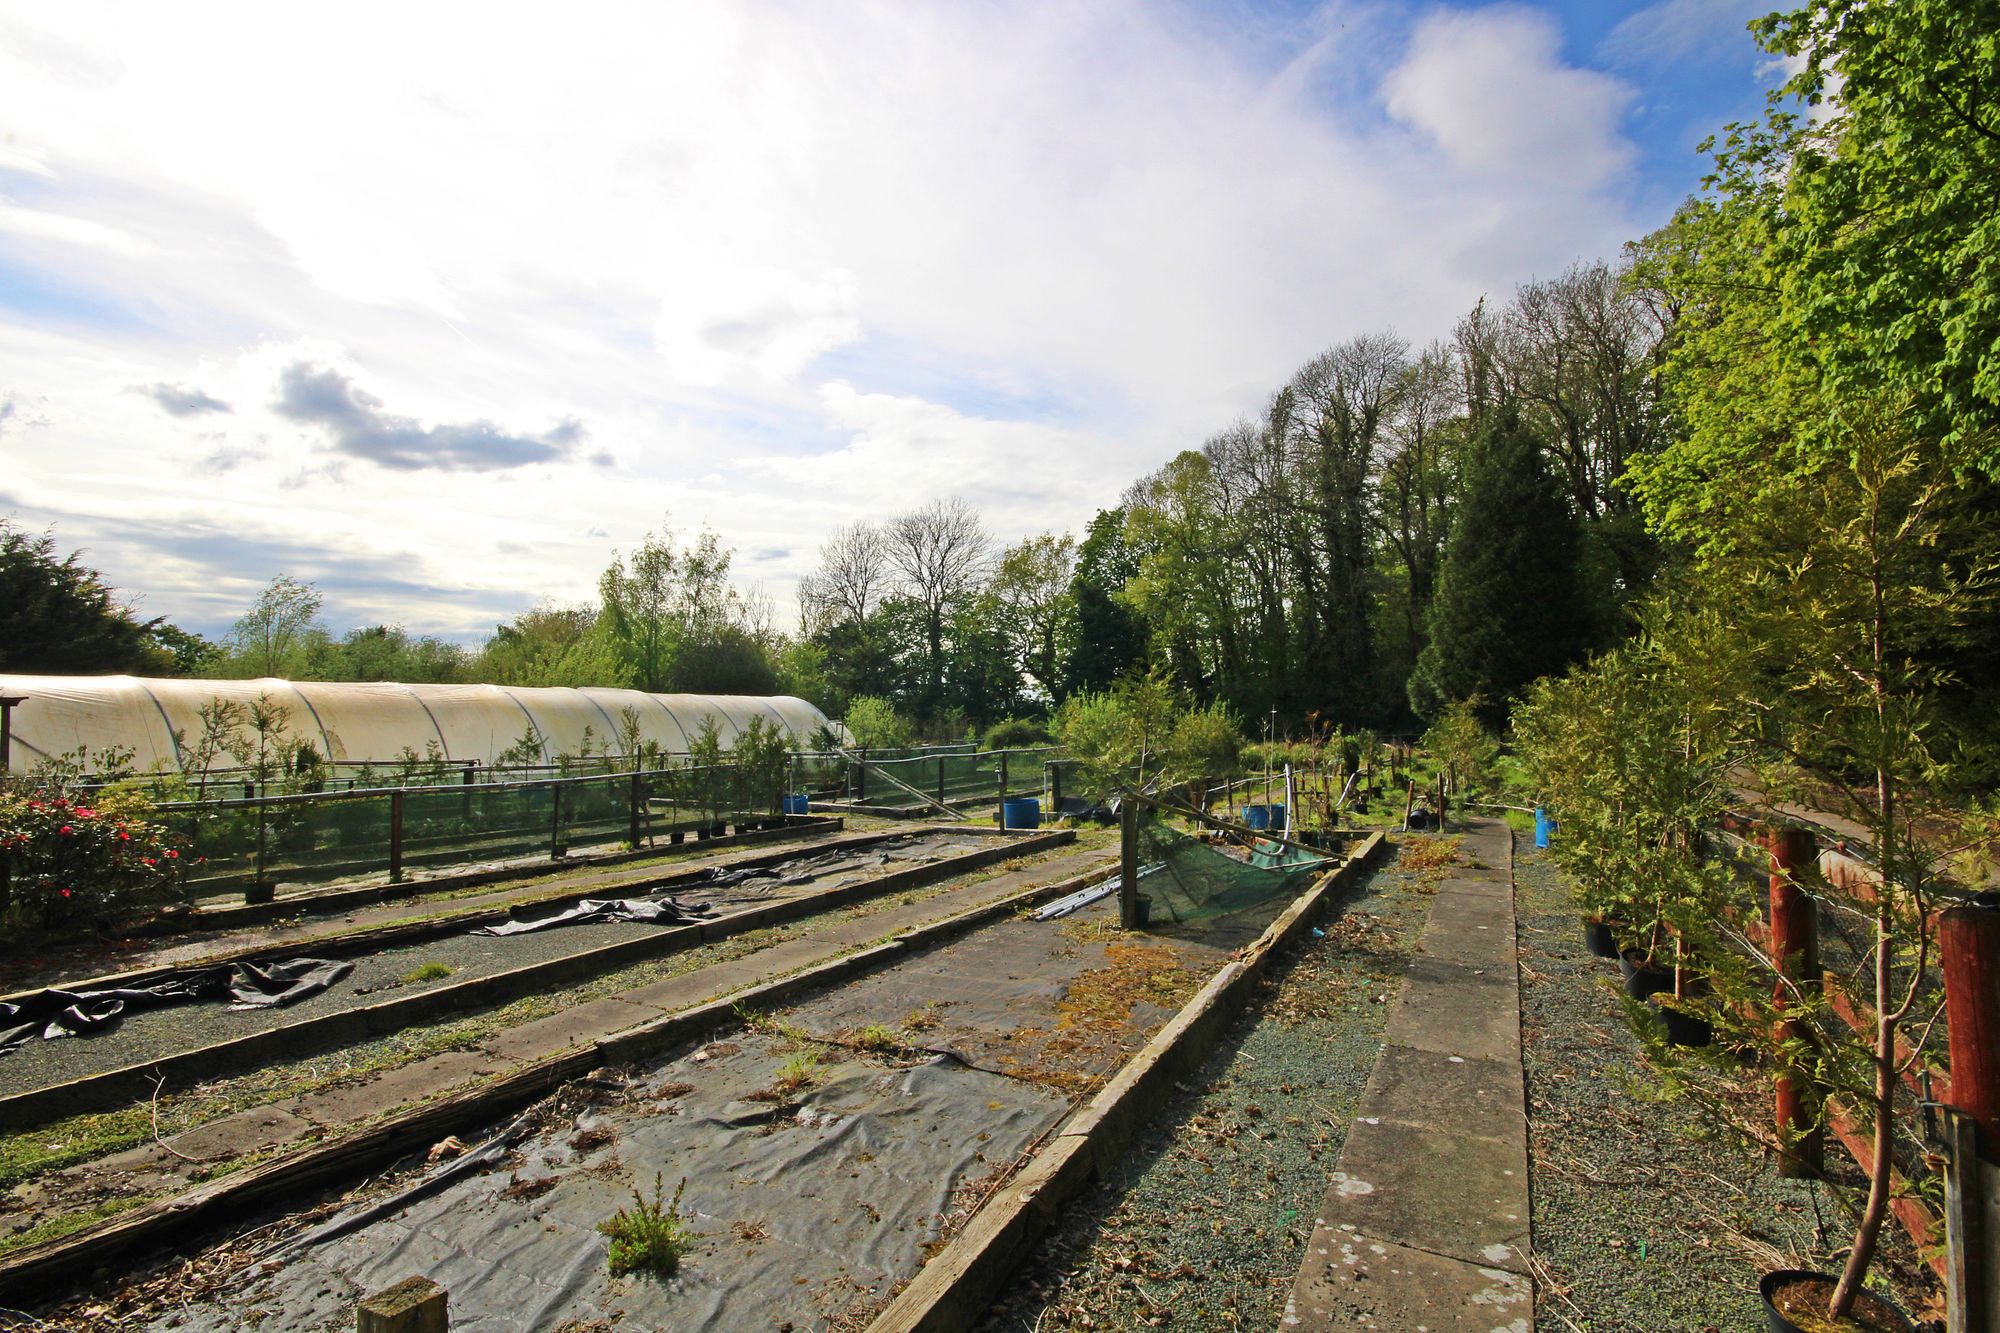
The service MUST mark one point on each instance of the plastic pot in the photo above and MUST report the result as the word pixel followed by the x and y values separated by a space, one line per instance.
pixel 1683 1028
pixel 1643 979
pixel 1867 1307
pixel 1142 911
pixel 1597 938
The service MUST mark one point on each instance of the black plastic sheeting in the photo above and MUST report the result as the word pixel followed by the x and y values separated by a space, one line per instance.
pixel 647 911
pixel 53 1014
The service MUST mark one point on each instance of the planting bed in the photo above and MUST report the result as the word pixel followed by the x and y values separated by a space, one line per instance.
pixel 827 1149
pixel 395 971
pixel 1645 1216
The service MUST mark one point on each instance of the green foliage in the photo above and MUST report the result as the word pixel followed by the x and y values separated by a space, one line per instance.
pixel 1016 733
pixel 1508 606
pixel 59 616
pixel 1462 744
pixel 1145 731
pixel 762 756
pixel 651 1236
pixel 271 638
pixel 430 971
pixel 874 724
pixel 1889 235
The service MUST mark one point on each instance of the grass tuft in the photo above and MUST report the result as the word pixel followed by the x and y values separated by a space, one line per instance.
pixel 431 971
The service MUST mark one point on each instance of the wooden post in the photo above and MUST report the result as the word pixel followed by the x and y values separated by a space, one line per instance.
pixel 414 1305
pixel 1000 815
pixel 860 776
pixel 1795 952
pixel 1128 863
pixel 396 836
pixel 1441 801
pixel 1409 804
pixel 555 821
pixel 638 805
pixel 1969 952
pixel 940 779
pixel 7 702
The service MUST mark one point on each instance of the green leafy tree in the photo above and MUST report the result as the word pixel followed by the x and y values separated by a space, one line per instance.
pixel 875 725
pixel 549 645
pixel 1508 606
pixel 270 639
pixel 1111 637
pixel 1033 593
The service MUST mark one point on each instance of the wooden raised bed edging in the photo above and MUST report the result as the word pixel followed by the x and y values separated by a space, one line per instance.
pixel 95 1092
pixel 955 1288
pixel 38 1273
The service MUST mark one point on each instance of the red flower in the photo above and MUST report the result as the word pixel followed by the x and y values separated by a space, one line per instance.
pixel 123 836
pixel 173 855
pixel 64 892
pixel 65 830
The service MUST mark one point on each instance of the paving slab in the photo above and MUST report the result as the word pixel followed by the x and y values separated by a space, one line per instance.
pixel 240 1134
pixel 572 1027
pixel 1456 1009
pixel 397 1087
pixel 1463 1196
pixel 1355 1281
pixel 1484 1098
pixel 1478 939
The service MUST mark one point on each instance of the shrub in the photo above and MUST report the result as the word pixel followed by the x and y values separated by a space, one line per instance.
pixel 1015 733
pixel 874 724
pixel 65 861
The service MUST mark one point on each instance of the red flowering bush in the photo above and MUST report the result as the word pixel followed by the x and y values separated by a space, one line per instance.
pixel 66 860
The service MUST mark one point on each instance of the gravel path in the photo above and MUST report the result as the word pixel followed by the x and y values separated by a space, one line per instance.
pixel 380 976
pixel 1645 1217
pixel 1206 1225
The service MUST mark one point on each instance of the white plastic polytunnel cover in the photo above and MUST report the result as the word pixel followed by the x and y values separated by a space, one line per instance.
pixel 159 720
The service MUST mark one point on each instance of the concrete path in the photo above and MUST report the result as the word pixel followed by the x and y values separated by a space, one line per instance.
pixel 1424 1227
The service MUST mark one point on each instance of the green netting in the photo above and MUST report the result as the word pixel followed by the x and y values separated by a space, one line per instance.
pixel 1189 880
pixel 955 776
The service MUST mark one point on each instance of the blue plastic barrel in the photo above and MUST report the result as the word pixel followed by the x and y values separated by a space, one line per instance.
pixel 1544 827
pixel 1257 816
pixel 1021 812
pixel 798 803
pixel 1278 819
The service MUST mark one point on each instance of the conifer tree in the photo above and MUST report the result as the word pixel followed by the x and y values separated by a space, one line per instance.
pixel 1509 606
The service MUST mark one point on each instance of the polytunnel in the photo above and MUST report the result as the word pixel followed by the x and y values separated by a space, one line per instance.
pixel 160 720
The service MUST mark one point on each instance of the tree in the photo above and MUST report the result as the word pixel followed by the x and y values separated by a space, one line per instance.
pixel 549 645
pixel 675 623
pixel 1032 590
pixel 1111 638
pixel 938 553
pixel 1508 604
pixel 1890 237
pixel 59 616
pixel 848 586
pixel 874 724
pixel 268 639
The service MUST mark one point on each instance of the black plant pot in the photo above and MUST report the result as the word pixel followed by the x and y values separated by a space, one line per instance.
pixel 1597 938
pixel 257 894
pixel 1641 981
pixel 1683 1028
pixel 1769 1284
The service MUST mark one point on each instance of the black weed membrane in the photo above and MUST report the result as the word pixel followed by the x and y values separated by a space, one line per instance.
pixel 1189 880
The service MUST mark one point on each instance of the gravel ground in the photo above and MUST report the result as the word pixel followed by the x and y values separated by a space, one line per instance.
pixel 1645 1218
pixel 1205 1226
pixel 379 977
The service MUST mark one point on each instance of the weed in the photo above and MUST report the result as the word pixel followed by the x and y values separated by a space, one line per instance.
pixel 591 1139
pixel 878 1037
pixel 924 1019
pixel 431 971
pixel 649 1237
pixel 799 1072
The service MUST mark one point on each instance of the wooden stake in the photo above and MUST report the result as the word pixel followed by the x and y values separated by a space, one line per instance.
pixel 414 1305
pixel 1795 952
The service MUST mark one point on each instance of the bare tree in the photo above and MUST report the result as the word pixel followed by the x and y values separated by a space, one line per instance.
pixel 939 555
pixel 853 574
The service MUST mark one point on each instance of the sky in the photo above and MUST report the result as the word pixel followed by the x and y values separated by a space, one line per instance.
pixel 438 306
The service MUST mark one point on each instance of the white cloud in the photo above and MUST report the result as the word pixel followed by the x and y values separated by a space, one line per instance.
pixel 1677 29
pixel 1491 89
pixel 790 264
